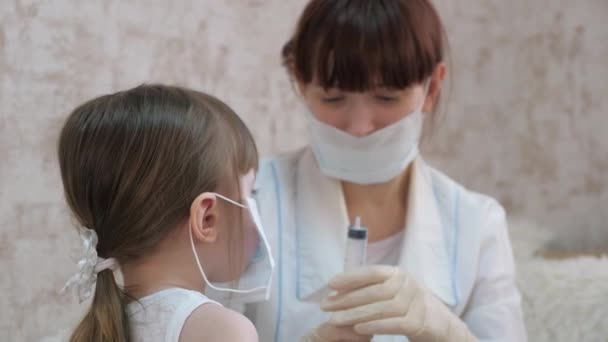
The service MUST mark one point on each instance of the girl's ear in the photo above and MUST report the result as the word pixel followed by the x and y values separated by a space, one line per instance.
pixel 203 217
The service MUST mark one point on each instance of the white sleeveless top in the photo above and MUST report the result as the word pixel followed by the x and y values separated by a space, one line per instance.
pixel 161 315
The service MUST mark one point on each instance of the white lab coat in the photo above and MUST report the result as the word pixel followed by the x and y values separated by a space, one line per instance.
pixel 456 244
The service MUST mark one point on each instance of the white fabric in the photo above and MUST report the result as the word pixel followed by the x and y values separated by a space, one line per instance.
pixel 328 332
pixel 83 281
pixel 385 252
pixel 254 283
pixel 375 158
pixel 160 316
pixel 563 299
pixel 455 244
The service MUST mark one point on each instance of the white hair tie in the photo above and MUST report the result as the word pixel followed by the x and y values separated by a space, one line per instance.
pixel 105 264
pixel 89 265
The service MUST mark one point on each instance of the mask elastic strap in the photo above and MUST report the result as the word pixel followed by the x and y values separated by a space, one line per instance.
pixel 230 201
pixel 200 267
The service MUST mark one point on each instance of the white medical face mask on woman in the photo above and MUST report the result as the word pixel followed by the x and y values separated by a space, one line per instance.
pixel 375 158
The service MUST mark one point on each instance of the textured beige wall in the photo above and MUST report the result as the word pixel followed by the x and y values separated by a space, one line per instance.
pixel 528 112
pixel 525 117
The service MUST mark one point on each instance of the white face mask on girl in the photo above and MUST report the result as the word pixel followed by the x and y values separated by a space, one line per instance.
pixel 375 158
pixel 254 283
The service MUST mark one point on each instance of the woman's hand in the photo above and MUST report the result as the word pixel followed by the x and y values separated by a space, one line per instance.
pixel 383 300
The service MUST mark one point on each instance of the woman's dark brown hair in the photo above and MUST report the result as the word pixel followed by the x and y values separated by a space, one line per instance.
pixel 132 163
pixel 355 45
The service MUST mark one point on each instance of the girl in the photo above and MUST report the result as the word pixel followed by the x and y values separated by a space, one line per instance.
pixel 158 176
pixel 441 267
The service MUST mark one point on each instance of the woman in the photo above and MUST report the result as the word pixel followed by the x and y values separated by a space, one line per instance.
pixel 440 265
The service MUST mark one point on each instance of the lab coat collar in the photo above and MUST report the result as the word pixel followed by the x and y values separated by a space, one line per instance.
pixel 425 245
pixel 321 228
pixel 322 224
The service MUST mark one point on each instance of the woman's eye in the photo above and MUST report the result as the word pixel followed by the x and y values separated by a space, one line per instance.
pixel 333 99
pixel 386 98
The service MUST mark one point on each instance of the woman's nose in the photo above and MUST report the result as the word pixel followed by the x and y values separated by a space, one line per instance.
pixel 360 122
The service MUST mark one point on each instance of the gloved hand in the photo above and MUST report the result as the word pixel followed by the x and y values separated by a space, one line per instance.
pixel 383 300
pixel 328 332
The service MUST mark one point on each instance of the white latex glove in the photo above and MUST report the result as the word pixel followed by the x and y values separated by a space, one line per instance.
pixel 383 300
pixel 328 332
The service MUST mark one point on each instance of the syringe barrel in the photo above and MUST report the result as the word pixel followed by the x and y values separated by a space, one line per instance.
pixel 356 249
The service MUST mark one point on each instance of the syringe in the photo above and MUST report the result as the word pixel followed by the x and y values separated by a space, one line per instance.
pixel 356 246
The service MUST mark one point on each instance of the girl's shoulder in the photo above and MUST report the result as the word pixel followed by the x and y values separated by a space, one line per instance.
pixel 217 323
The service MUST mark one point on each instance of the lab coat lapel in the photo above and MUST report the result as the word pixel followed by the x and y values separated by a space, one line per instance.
pixel 425 246
pixel 321 228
